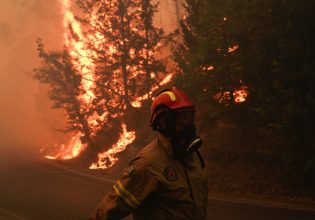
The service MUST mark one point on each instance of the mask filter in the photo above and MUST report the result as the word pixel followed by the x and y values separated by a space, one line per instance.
pixel 194 145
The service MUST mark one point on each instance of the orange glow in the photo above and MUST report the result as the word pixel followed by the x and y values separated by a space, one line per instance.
pixel 240 95
pixel 222 97
pixel 207 68
pixel 108 158
pixel 233 48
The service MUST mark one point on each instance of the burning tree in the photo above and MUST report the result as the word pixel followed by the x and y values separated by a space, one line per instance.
pixel 151 42
pixel 116 65
pixel 125 43
pixel 64 82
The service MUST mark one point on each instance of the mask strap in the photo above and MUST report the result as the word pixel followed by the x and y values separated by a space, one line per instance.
pixel 191 146
pixel 201 159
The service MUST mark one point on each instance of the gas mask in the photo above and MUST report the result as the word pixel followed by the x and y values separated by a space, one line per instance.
pixel 186 141
pixel 179 127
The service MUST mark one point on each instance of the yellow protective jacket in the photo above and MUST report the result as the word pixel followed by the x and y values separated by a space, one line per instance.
pixel 157 187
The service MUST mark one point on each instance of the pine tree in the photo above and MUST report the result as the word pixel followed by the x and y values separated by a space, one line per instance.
pixel 64 83
pixel 152 41
pixel 207 55
pixel 273 59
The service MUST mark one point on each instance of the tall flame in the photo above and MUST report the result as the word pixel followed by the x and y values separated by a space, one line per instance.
pixel 81 56
pixel 82 59
pixel 108 158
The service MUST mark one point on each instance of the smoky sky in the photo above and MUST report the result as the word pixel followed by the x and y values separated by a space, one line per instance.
pixel 22 116
pixel 25 115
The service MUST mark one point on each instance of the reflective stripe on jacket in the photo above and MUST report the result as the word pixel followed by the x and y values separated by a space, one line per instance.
pixel 157 187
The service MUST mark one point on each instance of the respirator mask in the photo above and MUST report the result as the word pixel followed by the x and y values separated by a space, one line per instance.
pixel 184 138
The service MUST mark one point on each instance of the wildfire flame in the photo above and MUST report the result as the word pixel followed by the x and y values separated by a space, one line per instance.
pixel 65 152
pixel 82 59
pixel 108 158
pixel 239 95
pixel 137 103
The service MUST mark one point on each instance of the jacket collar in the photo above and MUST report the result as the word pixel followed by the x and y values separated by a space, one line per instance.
pixel 167 147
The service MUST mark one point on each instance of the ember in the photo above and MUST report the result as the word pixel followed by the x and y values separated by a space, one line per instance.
pixel 233 48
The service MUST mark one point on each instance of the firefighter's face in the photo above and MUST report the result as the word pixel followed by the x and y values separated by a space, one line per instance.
pixel 184 119
pixel 180 127
pixel 185 138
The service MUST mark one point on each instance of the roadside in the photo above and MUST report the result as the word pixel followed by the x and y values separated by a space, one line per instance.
pixel 98 175
pixel 283 203
pixel 258 200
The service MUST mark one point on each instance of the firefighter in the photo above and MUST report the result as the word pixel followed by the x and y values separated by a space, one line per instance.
pixel 167 179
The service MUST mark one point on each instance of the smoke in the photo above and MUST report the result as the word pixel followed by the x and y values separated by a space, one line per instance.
pixel 169 14
pixel 25 115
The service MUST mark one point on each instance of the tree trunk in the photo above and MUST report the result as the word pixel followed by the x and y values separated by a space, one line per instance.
pixel 124 55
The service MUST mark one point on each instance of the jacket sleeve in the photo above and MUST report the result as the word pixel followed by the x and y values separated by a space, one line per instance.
pixel 129 191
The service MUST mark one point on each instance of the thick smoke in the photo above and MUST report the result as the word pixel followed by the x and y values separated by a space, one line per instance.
pixel 25 109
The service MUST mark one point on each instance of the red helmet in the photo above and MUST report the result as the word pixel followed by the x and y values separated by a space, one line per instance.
pixel 173 99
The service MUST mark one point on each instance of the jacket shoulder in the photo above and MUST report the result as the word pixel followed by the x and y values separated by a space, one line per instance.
pixel 151 152
pixel 150 156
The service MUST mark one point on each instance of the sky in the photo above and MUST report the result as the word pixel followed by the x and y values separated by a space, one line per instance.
pixel 26 118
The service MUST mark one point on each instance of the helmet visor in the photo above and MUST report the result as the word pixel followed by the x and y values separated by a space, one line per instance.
pixel 185 116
